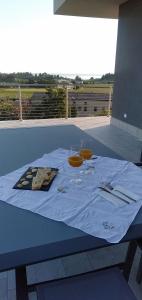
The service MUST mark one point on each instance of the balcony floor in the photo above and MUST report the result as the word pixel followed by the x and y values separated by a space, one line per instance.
pixel 120 142
pixel 83 123
pixel 42 136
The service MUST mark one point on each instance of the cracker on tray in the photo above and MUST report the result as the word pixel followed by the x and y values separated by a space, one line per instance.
pixel 41 176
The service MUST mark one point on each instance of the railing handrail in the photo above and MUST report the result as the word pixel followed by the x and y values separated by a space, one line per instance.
pixel 34 107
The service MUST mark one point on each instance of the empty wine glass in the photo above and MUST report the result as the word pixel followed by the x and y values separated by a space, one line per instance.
pixel 74 165
pixel 86 153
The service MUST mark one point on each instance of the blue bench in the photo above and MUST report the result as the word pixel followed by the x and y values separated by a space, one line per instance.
pixel 108 284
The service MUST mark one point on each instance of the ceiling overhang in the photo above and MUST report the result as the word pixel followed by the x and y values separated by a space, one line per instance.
pixel 88 8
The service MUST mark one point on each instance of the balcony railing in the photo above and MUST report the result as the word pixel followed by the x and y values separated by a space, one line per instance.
pixel 54 101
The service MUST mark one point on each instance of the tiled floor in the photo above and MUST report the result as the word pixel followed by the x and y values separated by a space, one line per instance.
pixel 116 139
pixel 121 142
pixel 126 146
pixel 83 123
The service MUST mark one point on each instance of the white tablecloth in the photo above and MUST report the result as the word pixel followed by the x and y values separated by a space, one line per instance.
pixel 81 206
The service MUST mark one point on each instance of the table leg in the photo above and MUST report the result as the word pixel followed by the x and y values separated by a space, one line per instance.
pixel 139 272
pixel 129 259
pixel 21 284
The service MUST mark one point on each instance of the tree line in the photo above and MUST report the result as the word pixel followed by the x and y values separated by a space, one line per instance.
pixel 28 78
pixel 45 78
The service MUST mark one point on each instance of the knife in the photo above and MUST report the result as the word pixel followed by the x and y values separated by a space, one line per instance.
pixel 113 193
pixel 109 186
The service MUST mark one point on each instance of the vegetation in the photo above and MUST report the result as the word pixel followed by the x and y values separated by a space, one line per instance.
pixel 8 110
pixel 53 103
pixel 13 93
pixel 72 111
pixel 97 88
pixel 52 106
pixel 56 103
pixel 107 78
pixel 44 78
pixel 28 78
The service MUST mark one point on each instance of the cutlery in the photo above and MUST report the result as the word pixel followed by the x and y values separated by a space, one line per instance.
pixel 113 193
pixel 61 189
pixel 111 188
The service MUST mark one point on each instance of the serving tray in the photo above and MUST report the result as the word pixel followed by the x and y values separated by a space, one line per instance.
pixel 25 181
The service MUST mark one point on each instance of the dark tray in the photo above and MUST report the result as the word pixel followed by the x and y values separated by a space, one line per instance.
pixel 29 186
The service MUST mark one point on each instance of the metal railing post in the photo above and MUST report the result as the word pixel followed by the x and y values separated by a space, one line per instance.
pixel 20 106
pixel 66 104
pixel 109 101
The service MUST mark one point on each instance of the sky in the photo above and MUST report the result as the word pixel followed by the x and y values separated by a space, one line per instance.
pixel 35 40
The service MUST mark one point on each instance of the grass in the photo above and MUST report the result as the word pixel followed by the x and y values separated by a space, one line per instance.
pixel 99 88
pixel 25 92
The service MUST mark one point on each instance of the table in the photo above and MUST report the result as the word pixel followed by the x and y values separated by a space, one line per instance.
pixel 29 238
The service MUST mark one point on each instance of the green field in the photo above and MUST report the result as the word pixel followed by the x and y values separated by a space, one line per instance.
pixel 25 92
pixel 97 89
pixel 13 93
